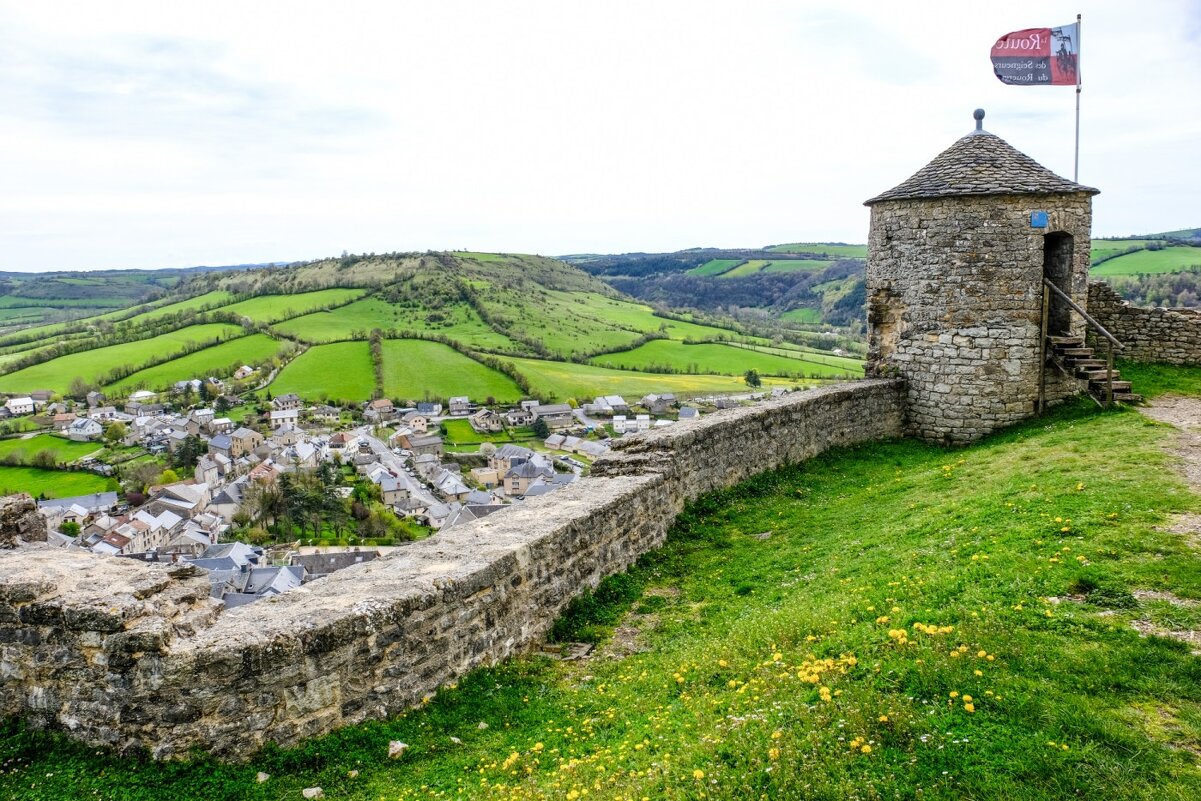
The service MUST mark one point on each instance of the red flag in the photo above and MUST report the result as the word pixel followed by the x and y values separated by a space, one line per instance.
pixel 1039 56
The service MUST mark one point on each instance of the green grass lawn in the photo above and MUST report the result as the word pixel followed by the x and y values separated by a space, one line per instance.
pixel 416 369
pixel 273 308
pixel 832 249
pixel 891 621
pixel 1167 260
pixel 64 450
pixel 724 360
pixel 234 353
pixel 208 299
pixel 51 483
pixel 460 432
pixel 338 371
pixel 91 365
pixel 563 380
pixel 714 267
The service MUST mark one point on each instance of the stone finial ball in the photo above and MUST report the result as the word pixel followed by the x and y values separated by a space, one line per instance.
pixel 978 114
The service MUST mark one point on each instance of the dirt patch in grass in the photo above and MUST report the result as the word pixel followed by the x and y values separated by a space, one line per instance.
pixel 629 636
pixel 1160 595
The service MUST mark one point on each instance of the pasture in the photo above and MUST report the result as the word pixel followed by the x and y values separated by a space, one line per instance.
pixel 1168 260
pixel 714 267
pixel 338 371
pixel 50 483
pixel 416 369
pixel 797 265
pixel 273 308
pixel 223 358
pixel 93 365
pixel 803 315
pixel 64 450
pixel 724 359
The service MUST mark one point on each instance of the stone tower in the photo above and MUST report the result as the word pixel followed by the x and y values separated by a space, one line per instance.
pixel 955 266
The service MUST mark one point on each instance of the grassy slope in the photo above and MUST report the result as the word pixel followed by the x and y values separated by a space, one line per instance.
pixel 236 352
pixel 339 371
pixel 569 380
pixel 51 483
pixel 749 267
pixel 272 308
pixel 770 667
pixel 797 265
pixel 1168 260
pixel 717 358
pixel 461 323
pixel 65 450
pixel 57 374
pixel 415 369
pixel 714 267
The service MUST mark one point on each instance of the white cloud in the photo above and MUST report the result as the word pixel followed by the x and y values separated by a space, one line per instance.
pixel 150 134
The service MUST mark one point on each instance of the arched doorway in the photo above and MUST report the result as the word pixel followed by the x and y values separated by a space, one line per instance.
pixel 1058 249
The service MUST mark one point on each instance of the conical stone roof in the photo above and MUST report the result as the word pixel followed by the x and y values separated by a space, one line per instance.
pixel 981 163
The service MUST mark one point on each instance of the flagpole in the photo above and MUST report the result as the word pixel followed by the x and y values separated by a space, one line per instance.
pixel 1079 64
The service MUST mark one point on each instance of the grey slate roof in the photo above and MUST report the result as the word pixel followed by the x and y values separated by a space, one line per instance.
pixel 981 164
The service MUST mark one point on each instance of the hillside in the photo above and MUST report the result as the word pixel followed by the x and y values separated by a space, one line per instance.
pixel 485 325
pixel 1152 269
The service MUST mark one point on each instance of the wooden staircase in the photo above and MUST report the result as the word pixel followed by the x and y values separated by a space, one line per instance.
pixel 1076 360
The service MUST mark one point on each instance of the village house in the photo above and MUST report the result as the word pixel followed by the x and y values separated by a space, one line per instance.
pixel 19 406
pixel 555 415
pixel 422 445
pixel 506 455
pixel 607 405
pixel 429 408
pixel 62 420
pixel 243 372
pixel 279 417
pixel 486 421
pixel 519 417
pixel 417 421
pixel 84 430
pixel 520 476
pixel 95 398
pixel 378 410
pixel 289 400
pixel 244 440
pixel 658 404
pixel 689 413
pixel 486 477
pixel 325 414
pixel 459 406
pixel 392 490
pixel 319 565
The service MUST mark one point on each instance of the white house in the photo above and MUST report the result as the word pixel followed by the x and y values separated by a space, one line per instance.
pixel 84 429
pixel 19 406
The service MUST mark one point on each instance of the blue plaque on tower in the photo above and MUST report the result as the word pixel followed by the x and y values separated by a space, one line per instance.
pixel 1038 219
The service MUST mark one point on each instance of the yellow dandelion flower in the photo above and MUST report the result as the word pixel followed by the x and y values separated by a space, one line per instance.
pixel 883 719
pixel 982 654
pixel 698 774
pixel 722 663
pixel 777 734
pixel 773 754
pixel 967 699
pixel 867 749
pixel 954 693
pixel 978 672
pixel 969 707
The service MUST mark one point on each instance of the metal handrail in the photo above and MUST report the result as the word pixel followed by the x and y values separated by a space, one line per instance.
pixel 1075 306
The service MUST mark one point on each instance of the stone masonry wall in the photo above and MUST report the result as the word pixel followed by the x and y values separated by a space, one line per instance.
pixel 129 655
pixel 955 303
pixel 1170 336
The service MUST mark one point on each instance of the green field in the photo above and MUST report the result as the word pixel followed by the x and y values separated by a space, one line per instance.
pixel 803 315
pixel 232 354
pixel 1103 248
pixel 64 450
pixel 714 267
pixel 416 369
pixel 797 265
pixel 339 371
pixel 458 322
pixel 724 360
pixel 273 308
pixel 749 267
pixel 1167 260
pixel 562 380
pixel 208 299
pixel 51 483
pixel 92 365
pixel 835 250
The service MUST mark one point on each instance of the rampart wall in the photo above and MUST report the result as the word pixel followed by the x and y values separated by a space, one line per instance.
pixel 129 655
pixel 1171 336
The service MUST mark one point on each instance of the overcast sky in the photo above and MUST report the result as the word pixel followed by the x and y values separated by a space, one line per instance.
pixel 164 134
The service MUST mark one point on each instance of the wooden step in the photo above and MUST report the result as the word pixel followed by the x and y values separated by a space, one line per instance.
pixel 1102 385
pixel 1085 364
pixel 1097 375
pixel 1128 397
pixel 1082 352
pixel 1068 341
